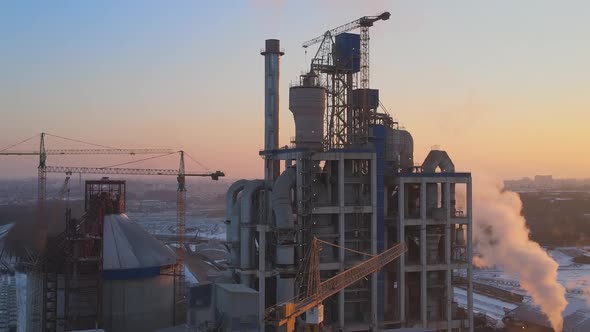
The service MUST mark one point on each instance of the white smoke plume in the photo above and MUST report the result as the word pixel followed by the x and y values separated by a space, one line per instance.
pixel 502 239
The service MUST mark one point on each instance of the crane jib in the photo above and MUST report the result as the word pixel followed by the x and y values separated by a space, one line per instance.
pixel 283 313
pixel 365 21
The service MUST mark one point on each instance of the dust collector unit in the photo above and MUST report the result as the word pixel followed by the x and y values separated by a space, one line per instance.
pixel 307 102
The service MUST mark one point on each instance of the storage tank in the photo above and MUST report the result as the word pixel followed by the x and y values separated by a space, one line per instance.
pixel 307 102
pixel 137 296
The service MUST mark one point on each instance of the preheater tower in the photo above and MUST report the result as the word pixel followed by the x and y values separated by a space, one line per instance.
pixel 362 195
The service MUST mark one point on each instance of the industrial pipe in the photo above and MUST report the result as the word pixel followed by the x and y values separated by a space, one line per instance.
pixel 285 221
pixel 233 227
pixel 438 159
pixel 247 225
pixel 231 195
pixel 281 199
pixel 233 234
pixel 407 151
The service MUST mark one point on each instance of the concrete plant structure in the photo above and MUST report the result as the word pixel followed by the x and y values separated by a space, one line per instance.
pixel 354 184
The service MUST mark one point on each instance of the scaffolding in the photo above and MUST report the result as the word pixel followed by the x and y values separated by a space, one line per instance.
pixel 71 264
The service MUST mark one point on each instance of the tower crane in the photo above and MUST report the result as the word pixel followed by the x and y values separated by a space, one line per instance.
pixel 286 313
pixel 346 122
pixel 43 153
pixel 364 23
pixel 181 174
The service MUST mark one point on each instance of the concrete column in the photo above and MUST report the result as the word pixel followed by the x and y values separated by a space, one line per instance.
pixel 330 173
pixel 401 237
pixel 341 239
pixel 470 254
pixel 262 229
pixel 387 280
pixel 268 220
pixel 374 276
pixel 423 261
pixel 385 207
pixel 448 244
pixel 299 252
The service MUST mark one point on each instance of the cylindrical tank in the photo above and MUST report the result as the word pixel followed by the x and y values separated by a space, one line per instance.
pixel 136 295
pixel 407 151
pixel 307 102
pixel 392 146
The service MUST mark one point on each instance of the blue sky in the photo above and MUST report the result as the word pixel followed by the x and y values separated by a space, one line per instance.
pixel 503 85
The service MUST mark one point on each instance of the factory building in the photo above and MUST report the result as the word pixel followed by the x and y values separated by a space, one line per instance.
pixel 349 179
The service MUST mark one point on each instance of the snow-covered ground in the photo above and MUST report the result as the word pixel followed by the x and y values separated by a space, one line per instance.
pixel 164 223
pixel 489 306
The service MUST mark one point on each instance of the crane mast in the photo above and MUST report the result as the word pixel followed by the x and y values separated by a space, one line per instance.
pixel 179 284
pixel 41 185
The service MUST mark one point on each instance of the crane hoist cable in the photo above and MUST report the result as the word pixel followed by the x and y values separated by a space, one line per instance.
pixel 307 267
pixel 347 249
pixel 79 141
pixel 23 141
pixel 144 159
pixel 197 162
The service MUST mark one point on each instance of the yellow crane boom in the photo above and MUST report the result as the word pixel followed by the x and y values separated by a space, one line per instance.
pixel 287 312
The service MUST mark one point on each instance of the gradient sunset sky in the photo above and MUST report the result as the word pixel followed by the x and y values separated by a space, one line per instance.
pixel 504 86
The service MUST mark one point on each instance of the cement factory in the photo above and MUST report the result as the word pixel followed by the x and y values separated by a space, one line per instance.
pixel 349 182
pixel 345 232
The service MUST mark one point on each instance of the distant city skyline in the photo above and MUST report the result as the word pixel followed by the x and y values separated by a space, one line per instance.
pixel 503 86
pixel 546 182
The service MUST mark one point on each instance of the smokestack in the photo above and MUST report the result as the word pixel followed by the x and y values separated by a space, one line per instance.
pixel 272 60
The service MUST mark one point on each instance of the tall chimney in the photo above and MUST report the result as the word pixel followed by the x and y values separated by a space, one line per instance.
pixel 272 60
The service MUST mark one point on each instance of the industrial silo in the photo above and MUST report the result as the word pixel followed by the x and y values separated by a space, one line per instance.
pixel 137 292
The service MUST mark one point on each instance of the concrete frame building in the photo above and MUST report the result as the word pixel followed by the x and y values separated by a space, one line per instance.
pixel 446 237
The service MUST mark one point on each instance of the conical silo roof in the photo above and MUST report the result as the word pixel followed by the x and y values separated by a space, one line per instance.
pixel 130 251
